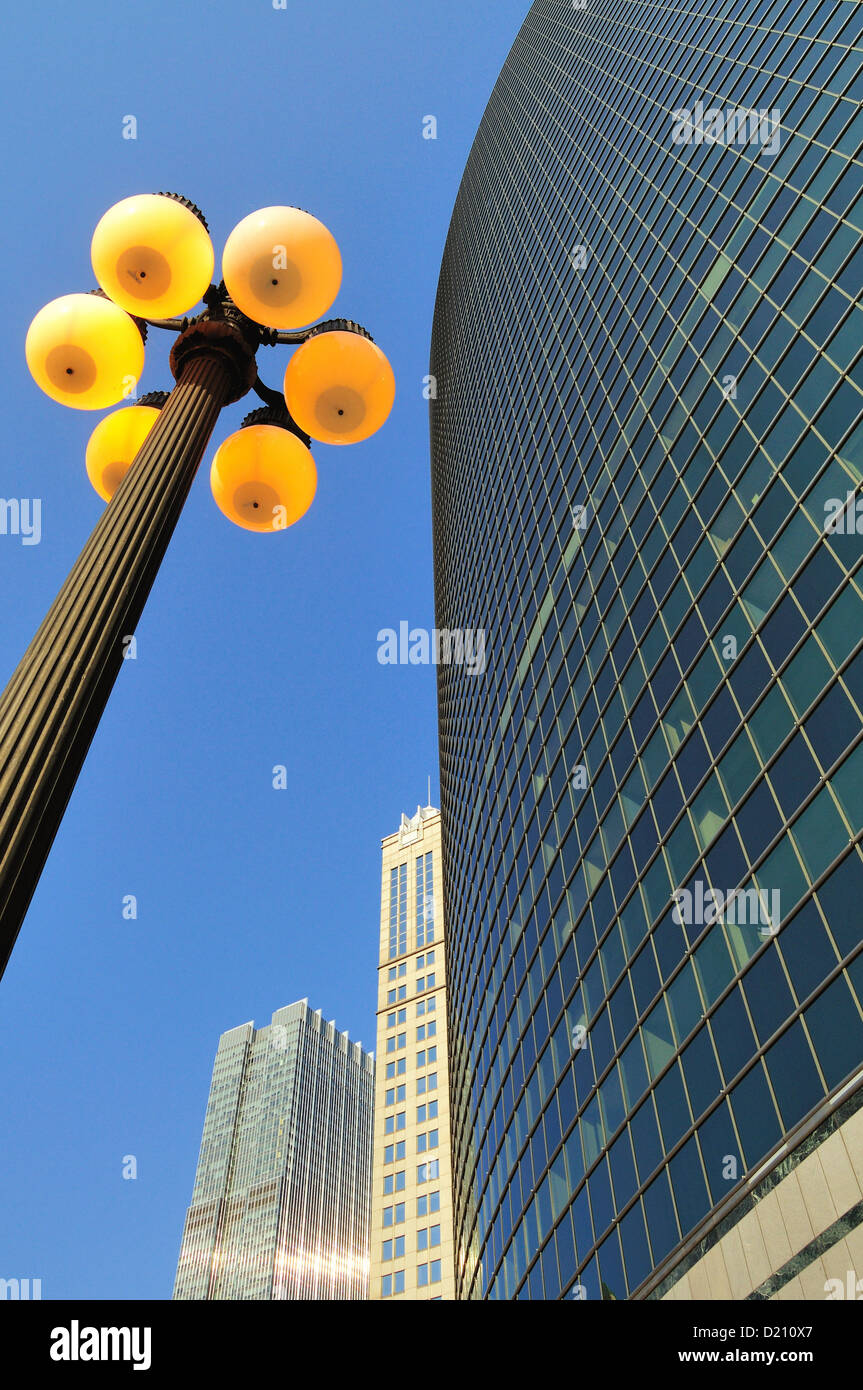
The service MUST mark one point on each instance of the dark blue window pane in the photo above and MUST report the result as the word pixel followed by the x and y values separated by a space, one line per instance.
pixel 806 950
pixel 720 1152
pixel 701 1072
pixel 755 1114
pixel 645 1139
pixel 622 1167
pixel 732 1035
pixel 661 1219
pixel 671 1106
pixel 636 1253
pixel 611 1278
pixel 831 726
pixel 550 1272
pixel 794 1076
pixel 793 775
pixel 767 994
pixel 565 1250
pixel 687 1180
pixel 758 821
pixel 601 1204
pixel 841 896
pixel 581 1224
pixel 836 1030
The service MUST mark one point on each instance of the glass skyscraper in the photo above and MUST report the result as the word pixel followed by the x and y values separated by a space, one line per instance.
pixel 281 1203
pixel 647 452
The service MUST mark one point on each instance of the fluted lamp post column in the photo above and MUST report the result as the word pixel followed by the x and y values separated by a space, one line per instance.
pixel 282 269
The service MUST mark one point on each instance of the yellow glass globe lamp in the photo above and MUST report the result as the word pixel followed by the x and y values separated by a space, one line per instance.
pixel 282 267
pixel 114 443
pixel 152 255
pixel 263 477
pixel 339 386
pixel 84 351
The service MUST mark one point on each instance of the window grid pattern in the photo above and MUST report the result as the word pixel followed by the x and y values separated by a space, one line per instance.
pixel 285 1167
pixel 425 899
pixel 398 910
pixel 606 1058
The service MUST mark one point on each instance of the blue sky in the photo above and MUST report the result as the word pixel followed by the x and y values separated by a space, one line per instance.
pixel 253 650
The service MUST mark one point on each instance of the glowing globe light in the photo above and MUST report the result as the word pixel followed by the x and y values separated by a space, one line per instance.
pixel 152 255
pixel 113 445
pixel 84 351
pixel 282 267
pixel 339 387
pixel 263 478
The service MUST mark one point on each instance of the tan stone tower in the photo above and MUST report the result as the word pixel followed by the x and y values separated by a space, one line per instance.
pixel 411 1231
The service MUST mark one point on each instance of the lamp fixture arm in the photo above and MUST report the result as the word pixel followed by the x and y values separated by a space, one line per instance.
pixel 267 394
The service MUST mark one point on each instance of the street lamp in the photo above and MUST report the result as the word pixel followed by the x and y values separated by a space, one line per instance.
pixel 153 260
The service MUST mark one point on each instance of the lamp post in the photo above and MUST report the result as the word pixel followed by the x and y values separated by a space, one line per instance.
pixel 153 259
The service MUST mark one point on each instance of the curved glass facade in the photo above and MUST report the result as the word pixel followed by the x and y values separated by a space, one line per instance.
pixel 647 417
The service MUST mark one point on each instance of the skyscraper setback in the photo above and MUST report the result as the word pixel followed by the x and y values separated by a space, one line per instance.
pixel 280 1208
pixel 411 1246
pixel 649 398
